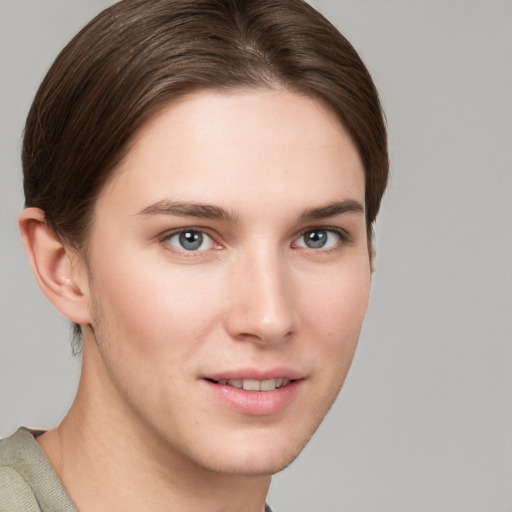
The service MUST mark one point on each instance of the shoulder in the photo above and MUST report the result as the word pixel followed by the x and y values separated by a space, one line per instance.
pixel 27 479
pixel 15 492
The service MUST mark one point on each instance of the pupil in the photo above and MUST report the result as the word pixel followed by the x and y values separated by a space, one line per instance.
pixel 191 240
pixel 316 239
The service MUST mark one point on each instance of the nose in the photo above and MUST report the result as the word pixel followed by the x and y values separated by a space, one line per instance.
pixel 261 299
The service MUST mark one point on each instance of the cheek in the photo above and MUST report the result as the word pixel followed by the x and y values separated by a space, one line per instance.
pixel 155 307
pixel 338 301
pixel 151 328
pixel 335 313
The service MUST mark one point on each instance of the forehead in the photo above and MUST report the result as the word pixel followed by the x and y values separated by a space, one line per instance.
pixel 257 145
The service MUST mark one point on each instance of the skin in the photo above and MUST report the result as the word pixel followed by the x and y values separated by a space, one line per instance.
pixel 158 319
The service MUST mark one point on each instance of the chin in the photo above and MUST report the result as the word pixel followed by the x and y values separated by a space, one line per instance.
pixel 255 455
pixel 258 464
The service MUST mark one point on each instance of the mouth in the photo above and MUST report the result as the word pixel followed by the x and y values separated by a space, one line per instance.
pixel 254 384
pixel 254 392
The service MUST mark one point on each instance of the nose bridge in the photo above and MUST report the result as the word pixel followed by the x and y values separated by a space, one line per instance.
pixel 262 303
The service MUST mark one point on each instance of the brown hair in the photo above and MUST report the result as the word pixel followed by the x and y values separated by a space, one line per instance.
pixel 138 55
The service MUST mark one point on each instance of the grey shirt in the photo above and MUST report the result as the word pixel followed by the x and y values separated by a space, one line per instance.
pixel 28 481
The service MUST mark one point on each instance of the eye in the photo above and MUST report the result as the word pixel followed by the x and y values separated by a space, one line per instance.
pixel 190 240
pixel 320 239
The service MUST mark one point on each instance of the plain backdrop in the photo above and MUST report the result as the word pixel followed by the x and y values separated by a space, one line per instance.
pixel 424 422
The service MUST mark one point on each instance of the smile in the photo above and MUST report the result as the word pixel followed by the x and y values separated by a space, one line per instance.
pixel 255 385
pixel 255 397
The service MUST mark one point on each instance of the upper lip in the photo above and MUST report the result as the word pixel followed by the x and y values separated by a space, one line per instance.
pixel 256 374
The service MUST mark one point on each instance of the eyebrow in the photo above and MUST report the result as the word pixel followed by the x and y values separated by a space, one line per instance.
pixel 185 209
pixel 209 211
pixel 332 210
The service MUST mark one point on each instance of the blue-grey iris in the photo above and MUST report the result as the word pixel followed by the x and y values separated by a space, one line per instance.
pixel 315 239
pixel 191 240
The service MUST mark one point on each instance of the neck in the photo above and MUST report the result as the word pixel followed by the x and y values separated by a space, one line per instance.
pixel 109 460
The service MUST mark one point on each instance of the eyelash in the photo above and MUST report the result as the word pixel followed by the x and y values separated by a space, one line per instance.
pixel 189 253
pixel 343 238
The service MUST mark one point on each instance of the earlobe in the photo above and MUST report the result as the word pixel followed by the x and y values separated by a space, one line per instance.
pixel 58 270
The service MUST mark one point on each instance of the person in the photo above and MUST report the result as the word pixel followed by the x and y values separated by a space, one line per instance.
pixel 201 180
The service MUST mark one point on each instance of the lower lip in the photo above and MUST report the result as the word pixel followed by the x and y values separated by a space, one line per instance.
pixel 256 403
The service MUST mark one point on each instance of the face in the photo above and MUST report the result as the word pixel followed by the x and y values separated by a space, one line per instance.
pixel 229 277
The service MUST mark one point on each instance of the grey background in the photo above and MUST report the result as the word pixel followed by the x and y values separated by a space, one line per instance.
pixel 424 422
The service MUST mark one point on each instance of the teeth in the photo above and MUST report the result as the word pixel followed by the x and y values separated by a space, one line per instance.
pixel 255 385
pixel 251 385
pixel 268 385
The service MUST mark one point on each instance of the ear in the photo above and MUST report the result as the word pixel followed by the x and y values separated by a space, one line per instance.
pixel 59 271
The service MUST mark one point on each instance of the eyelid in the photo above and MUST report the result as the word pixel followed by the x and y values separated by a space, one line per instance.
pixel 176 231
pixel 344 236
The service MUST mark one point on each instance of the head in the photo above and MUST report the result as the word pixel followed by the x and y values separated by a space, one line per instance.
pixel 118 93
